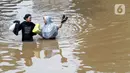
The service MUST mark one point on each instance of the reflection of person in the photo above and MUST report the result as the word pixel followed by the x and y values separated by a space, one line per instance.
pixel 49 53
pixel 27 27
pixel 27 50
pixel 51 49
pixel 63 59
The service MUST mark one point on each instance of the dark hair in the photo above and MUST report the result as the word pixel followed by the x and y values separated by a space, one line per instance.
pixel 26 16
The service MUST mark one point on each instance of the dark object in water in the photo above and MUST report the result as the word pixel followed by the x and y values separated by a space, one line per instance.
pixel 64 19
pixel 16 29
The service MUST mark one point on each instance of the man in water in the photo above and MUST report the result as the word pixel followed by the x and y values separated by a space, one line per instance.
pixel 27 27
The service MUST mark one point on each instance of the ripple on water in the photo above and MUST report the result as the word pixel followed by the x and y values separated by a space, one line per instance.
pixel 3 52
pixel 9 5
pixel 6 64
pixel 7 10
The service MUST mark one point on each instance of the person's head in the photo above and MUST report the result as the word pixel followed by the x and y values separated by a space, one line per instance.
pixel 27 17
pixel 47 19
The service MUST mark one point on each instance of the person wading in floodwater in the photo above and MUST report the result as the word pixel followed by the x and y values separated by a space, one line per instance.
pixel 27 27
pixel 50 30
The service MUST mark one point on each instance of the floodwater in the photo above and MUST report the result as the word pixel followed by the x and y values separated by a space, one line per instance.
pixel 93 40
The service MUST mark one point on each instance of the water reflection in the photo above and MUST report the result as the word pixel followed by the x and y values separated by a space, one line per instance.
pixel 51 48
pixel 31 52
pixel 106 42
pixel 8 63
pixel 27 52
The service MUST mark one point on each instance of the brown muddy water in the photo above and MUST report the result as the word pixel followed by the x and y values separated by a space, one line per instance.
pixel 93 40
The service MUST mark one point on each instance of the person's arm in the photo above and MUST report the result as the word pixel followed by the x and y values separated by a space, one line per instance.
pixel 60 26
pixel 19 27
pixel 64 19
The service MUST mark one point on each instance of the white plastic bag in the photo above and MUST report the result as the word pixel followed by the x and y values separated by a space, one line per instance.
pixel 11 28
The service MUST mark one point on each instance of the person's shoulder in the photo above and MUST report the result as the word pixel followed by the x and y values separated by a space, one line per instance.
pixel 32 23
pixel 23 22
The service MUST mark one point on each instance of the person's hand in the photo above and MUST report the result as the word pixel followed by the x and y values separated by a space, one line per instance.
pixel 64 19
pixel 16 21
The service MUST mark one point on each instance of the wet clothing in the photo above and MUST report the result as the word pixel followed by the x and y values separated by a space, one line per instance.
pixel 49 30
pixel 27 27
